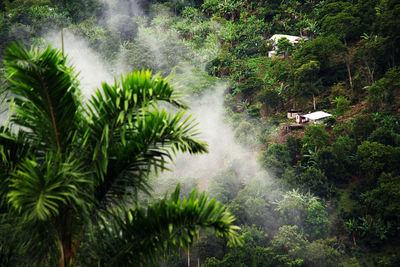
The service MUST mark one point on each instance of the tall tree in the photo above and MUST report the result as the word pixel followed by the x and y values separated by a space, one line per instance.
pixel 69 167
pixel 306 77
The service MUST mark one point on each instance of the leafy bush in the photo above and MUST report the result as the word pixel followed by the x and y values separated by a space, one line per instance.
pixel 126 26
pixel 384 200
pixel 289 241
pixel 342 105
pixel 315 181
pixel 285 47
pixel 319 253
pixel 384 136
pixel 253 112
pixel 363 126
pixel 80 10
pixel 376 158
pixel 342 129
pixel 330 120
pixel 315 137
pixel 225 185
pixel 316 225
pixel 320 49
pixel 244 133
pixel 276 159
pixel 269 97
pixel 333 167
pixel 293 207
pixel 294 146
pixel 251 85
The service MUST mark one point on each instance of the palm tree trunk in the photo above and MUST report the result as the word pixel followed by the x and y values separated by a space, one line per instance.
pixel 188 258
pixel 354 239
pixel 65 241
pixel 371 73
pixel 313 98
pixel 349 73
pixel 60 245
pixel 68 255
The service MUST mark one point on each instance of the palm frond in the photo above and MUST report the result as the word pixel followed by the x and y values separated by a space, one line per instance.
pixel 131 138
pixel 39 190
pixel 43 88
pixel 140 236
pixel 13 149
pixel 121 104
pixel 146 146
pixel 27 243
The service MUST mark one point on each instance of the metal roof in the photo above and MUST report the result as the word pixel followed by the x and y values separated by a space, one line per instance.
pixel 291 38
pixel 317 115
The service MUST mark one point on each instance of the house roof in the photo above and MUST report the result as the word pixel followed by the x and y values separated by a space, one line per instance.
pixel 291 38
pixel 317 115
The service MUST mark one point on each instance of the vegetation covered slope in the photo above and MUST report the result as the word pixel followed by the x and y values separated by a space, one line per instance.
pixel 335 200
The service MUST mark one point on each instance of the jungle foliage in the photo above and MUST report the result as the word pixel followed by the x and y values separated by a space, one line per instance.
pixel 334 197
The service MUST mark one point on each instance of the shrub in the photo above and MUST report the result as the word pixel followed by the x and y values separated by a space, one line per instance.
pixel 276 159
pixel 363 126
pixel 315 137
pixel 342 105
pixel 330 120
pixel 315 181
pixel 316 225
pixel 245 133
pixel 251 85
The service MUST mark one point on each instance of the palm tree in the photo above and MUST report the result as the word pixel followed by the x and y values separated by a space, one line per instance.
pixel 71 171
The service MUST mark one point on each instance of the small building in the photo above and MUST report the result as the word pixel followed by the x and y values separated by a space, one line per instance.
pixel 312 117
pixel 271 53
pixel 300 118
pixel 292 39
pixel 291 114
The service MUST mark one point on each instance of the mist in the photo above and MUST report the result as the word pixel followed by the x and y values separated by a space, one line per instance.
pixel 294 194
pixel 170 54
pixel 92 70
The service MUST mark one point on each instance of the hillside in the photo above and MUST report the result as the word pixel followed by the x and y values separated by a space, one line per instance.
pixel 321 194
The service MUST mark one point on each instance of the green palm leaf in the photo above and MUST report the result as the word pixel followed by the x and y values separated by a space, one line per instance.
pixel 58 164
pixel 38 191
pixel 140 236
pixel 147 147
pixel 44 94
pixel 131 137
pixel 13 150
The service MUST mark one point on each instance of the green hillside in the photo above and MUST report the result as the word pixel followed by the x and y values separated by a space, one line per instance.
pixel 84 175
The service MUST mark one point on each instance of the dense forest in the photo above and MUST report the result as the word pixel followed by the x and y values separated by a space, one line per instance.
pixel 96 177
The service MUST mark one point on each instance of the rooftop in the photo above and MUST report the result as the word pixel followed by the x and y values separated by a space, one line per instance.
pixel 318 115
pixel 291 38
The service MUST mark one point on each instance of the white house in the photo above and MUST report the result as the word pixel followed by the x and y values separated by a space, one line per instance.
pixel 312 117
pixel 292 39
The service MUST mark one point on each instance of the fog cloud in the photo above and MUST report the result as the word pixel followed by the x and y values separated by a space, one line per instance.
pixel 92 71
pixel 169 50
